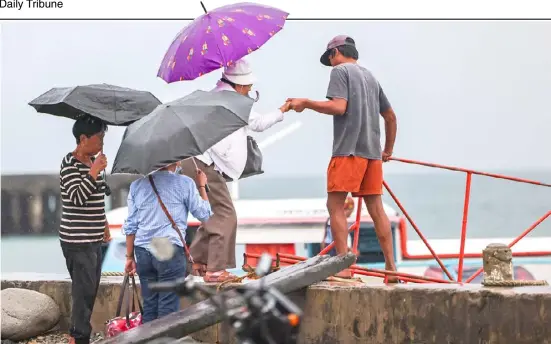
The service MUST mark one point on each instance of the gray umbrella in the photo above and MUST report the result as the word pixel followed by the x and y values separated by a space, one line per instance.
pixel 113 104
pixel 181 129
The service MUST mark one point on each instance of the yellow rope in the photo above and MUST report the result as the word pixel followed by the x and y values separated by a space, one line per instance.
pixel 515 283
pixel 114 274
pixel 247 268
pixel 250 274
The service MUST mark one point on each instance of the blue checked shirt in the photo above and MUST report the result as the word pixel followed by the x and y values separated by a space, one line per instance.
pixel 146 218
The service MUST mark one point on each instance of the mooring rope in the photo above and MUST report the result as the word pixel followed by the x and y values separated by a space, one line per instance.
pixel 114 274
pixel 515 283
pixel 250 274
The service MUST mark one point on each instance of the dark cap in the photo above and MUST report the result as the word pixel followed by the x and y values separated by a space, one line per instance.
pixel 335 42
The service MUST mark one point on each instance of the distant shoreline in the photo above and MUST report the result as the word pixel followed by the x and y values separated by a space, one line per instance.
pixel 422 171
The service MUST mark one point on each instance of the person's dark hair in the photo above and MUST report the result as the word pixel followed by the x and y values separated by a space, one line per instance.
pixel 89 126
pixel 226 81
pixel 349 51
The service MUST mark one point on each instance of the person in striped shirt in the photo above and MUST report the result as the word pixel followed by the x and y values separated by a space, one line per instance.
pixel 83 224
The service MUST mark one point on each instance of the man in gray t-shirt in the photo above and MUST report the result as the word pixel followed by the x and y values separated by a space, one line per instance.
pixel 355 100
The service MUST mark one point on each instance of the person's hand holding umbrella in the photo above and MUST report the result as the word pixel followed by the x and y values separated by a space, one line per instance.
pixel 202 181
pixel 181 129
pixel 111 104
pixel 99 164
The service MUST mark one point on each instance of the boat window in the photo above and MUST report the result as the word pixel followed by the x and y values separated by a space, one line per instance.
pixel 369 247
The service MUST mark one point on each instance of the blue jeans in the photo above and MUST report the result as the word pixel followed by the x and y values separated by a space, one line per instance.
pixel 149 269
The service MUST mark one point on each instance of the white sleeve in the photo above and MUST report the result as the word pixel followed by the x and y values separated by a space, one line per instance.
pixel 259 123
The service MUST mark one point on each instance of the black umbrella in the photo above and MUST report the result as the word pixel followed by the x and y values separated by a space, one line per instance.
pixel 181 129
pixel 113 104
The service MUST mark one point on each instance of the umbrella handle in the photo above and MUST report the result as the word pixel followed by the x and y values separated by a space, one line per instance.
pixel 106 188
pixel 207 189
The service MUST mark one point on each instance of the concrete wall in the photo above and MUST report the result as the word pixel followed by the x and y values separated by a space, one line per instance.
pixel 344 314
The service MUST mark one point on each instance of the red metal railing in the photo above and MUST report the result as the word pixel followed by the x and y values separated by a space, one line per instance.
pixel 463 238
pixel 517 239
pixel 291 259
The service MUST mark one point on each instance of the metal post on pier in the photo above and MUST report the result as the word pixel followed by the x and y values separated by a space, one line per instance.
pixel 497 264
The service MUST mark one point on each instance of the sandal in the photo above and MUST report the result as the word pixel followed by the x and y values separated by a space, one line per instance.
pixel 198 269
pixel 393 280
pixel 344 274
pixel 218 277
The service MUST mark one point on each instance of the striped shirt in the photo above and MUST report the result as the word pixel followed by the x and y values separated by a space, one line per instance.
pixel 83 218
pixel 146 219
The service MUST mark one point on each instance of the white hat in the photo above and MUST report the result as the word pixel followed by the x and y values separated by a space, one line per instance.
pixel 239 73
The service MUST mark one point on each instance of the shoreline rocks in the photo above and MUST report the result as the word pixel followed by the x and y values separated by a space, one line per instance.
pixel 27 314
pixel 52 338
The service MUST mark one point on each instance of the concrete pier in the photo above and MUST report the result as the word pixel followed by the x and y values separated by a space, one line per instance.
pixel 359 314
pixel 31 204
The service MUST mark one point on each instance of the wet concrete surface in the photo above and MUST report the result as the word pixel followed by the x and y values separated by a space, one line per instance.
pixel 427 313
pixel 344 313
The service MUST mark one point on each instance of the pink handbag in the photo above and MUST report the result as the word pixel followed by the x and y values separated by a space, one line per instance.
pixel 132 318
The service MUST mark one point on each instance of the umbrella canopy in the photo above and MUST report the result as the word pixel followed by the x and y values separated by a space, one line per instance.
pixel 181 129
pixel 113 104
pixel 219 38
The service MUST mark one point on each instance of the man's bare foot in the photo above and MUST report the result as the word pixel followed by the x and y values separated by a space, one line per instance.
pixel 390 278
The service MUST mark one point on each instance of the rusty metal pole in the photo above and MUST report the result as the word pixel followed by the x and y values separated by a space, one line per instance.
pixel 418 231
pixel 464 227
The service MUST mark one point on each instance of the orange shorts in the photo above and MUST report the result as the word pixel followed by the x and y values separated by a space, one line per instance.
pixel 360 176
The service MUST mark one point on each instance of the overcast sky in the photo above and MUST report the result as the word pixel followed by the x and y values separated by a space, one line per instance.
pixel 476 94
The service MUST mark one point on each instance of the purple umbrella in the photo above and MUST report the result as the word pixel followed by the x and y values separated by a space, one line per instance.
pixel 219 38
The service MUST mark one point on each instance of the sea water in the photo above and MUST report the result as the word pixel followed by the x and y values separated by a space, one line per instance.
pixel 498 208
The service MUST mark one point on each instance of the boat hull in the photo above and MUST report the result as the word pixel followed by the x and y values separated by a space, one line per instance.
pixel 529 268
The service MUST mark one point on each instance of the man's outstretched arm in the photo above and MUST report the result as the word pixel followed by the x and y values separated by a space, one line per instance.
pixel 333 107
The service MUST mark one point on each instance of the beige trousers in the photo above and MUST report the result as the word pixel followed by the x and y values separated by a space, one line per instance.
pixel 214 243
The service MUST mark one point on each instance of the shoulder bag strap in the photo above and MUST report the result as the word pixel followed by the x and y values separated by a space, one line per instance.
pixel 172 222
